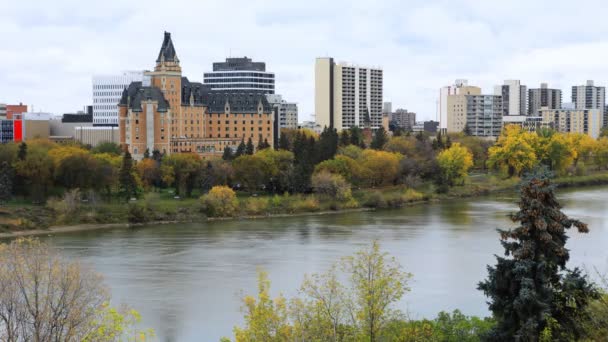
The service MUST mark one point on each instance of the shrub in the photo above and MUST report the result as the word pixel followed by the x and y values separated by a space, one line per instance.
pixel 307 204
pixel 332 185
pixel 221 201
pixel 412 195
pixel 136 213
pixel 256 206
pixel 374 199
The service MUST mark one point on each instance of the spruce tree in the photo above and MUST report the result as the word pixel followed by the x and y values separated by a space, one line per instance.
pixel 344 138
pixel 156 155
pixel 284 142
pixel 240 150
pixel 128 184
pixel 380 139
pixel 531 291
pixel 227 153
pixel 6 181
pixel 249 149
pixel 147 153
pixel 22 154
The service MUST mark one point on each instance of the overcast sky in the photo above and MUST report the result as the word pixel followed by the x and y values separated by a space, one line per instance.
pixel 50 49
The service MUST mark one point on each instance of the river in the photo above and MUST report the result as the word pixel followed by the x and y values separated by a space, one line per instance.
pixel 187 279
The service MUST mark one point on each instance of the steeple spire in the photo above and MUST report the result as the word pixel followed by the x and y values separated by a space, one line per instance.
pixel 167 51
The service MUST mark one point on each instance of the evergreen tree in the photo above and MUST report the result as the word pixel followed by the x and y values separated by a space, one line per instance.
pixel 327 146
pixel 128 184
pixel 356 136
pixel 6 181
pixel 344 138
pixel 156 155
pixel 531 291
pixel 22 154
pixel 284 142
pixel 467 130
pixel 249 149
pixel 262 143
pixel 304 154
pixel 380 139
pixel 147 153
pixel 240 150
pixel 448 142
pixel 227 153
pixel 438 143
pixel 266 144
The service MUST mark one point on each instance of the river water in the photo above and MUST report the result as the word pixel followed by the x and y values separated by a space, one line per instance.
pixel 187 279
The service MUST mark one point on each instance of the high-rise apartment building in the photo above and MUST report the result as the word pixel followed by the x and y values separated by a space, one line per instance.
pixel 455 118
pixel 240 74
pixel 403 119
pixel 171 114
pixel 586 121
pixel 107 91
pixel 513 97
pixel 347 95
pixel 387 107
pixel 443 102
pixel 543 97
pixel 589 96
pixel 484 115
pixel 287 111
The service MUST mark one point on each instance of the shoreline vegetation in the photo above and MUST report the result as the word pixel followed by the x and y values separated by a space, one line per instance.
pixel 90 217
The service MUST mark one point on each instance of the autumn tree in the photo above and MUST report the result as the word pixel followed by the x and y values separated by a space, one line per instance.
pixel 332 185
pixel 454 163
pixel 185 169
pixel 46 297
pixel 600 153
pixel 252 171
pixel 6 181
pixel 514 151
pixel 126 178
pixel 284 143
pixel 36 170
pixel 531 292
pixel 221 201
pixel 149 172
pixel 379 167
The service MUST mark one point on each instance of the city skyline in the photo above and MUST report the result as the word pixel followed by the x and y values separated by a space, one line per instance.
pixel 421 46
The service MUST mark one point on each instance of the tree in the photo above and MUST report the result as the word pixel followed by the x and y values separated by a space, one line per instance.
pixel 78 171
pixel 377 282
pixel 126 178
pixel 265 319
pixel 531 291
pixel 467 130
pixel 262 144
pixel 6 181
pixel 221 201
pixel 240 150
pixel 249 148
pixel 22 154
pixel 327 145
pixel 252 171
pixel 379 167
pixel 147 153
pixel 45 297
pixel 186 169
pixel 149 172
pixel 514 151
pixel 454 164
pixel 284 142
pixel 600 153
pixel 332 185
pixel 356 136
pixel 344 138
pixel 380 139
pixel 36 170
pixel 107 147
pixel 227 153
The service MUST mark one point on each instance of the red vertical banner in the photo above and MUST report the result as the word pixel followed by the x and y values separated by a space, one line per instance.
pixel 17 130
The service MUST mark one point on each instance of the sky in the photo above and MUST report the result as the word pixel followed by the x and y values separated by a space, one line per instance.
pixel 49 50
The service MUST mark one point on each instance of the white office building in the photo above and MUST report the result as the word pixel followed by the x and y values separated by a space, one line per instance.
pixel 107 91
pixel 240 74
pixel 347 95
pixel 288 111
pixel 514 97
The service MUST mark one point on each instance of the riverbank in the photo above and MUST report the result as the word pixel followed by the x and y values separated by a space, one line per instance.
pixel 22 219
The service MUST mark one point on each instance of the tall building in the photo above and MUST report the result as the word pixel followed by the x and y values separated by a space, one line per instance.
pixel 387 107
pixel 586 121
pixel 347 95
pixel 107 91
pixel 513 97
pixel 287 111
pixel 543 97
pixel 484 115
pixel 456 107
pixel 173 115
pixel 240 74
pixel 590 97
pixel 403 119
pixel 443 101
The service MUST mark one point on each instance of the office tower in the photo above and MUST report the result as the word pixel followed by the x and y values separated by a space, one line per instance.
pixel 543 97
pixel 287 111
pixel 107 90
pixel 513 97
pixel 403 119
pixel 589 96
pixel 240 74
pixel 347 95
pixel 484 115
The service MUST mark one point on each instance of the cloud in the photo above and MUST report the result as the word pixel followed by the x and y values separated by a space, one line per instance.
pixel 51 50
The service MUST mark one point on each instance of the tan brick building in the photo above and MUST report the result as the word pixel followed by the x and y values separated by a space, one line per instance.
pixel 173 115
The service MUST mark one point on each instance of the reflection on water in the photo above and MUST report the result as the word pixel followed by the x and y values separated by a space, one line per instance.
pixel 185 279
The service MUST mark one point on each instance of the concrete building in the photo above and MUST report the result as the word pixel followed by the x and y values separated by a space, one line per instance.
pixel 347 95
pixel 587 121
pixel 64 128
pixel 240 74
pixel 12 110
pixel 484 115
pixel 93 136
pixel 311 125
pixel 107 91
pixel 174 115
pixel 430 126
pixel 456 108
pixel 443 102
pixel 287 111
pixel 543 97
pixel 589 96
pixel 403 119
pixel 514 97
pixel 387 107
pixel 2 111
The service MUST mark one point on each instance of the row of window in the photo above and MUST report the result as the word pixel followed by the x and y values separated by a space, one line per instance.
pixel 237 74
pixel 110 86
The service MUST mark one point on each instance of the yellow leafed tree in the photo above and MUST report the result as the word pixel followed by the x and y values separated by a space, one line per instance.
pixel 454 163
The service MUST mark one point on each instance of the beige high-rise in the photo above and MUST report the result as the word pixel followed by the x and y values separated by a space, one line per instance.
pixel 456 108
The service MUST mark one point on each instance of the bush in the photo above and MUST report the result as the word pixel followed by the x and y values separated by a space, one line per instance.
pixel 332 185
pixel 412 195
pixel 256 206
pixel 221 201
pixel 374 199
pixel 136 213
pixel 307 204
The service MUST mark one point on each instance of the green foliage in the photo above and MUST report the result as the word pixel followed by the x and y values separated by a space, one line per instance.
pixel 380 139
pixel 6 181
pixel 221 201
pixel 227 155
pixel 249 149
pixel 535 277
pixel 107 147
pixel 126 178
